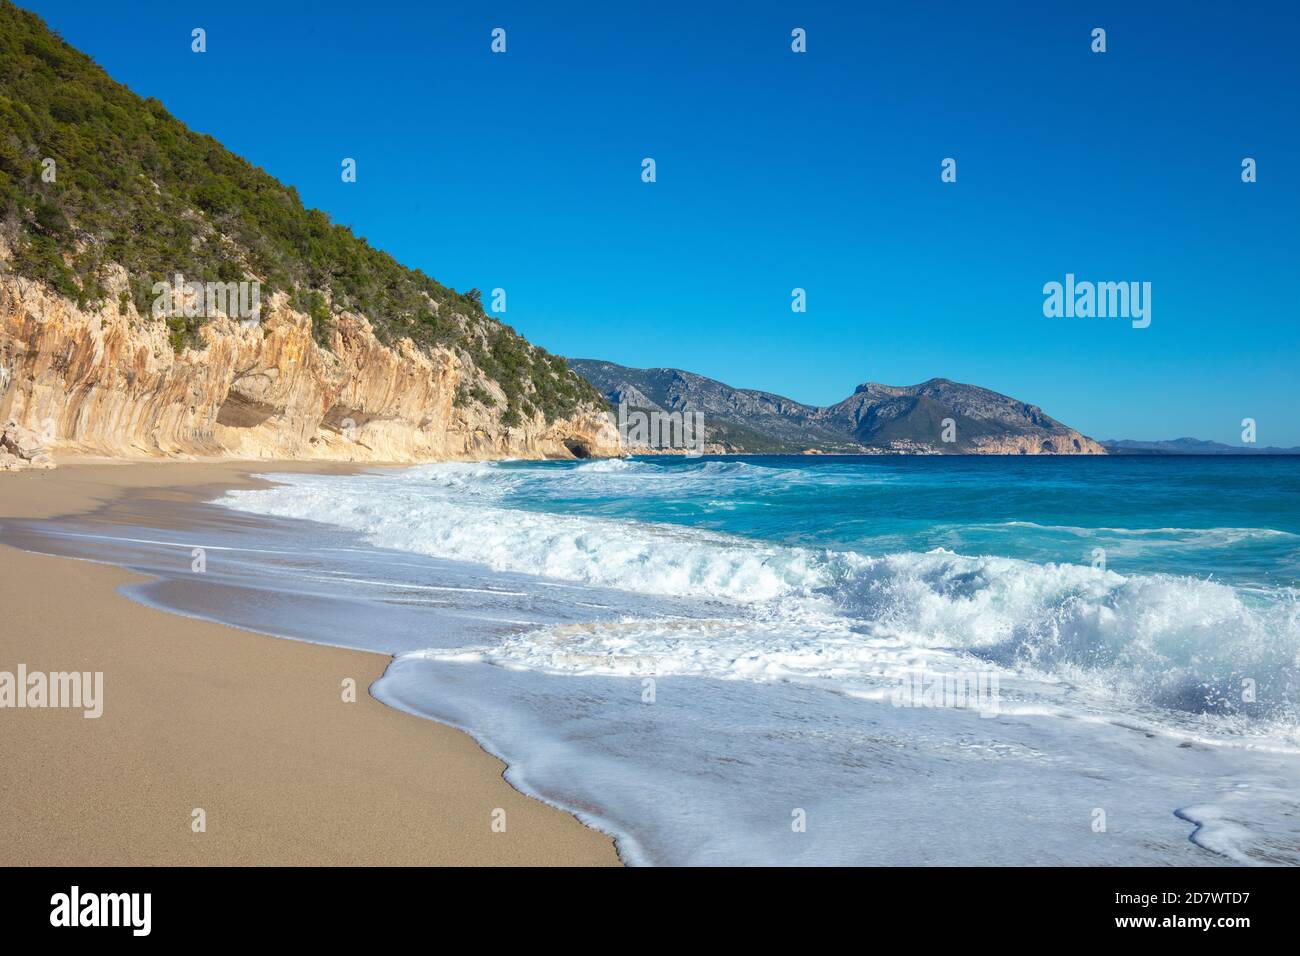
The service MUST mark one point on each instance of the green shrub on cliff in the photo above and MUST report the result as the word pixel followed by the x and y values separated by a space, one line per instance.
pixel 135 186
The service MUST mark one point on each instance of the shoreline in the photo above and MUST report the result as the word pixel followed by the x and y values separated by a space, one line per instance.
pixel 251 729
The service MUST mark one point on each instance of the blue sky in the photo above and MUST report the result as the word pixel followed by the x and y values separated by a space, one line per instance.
pixel 779 170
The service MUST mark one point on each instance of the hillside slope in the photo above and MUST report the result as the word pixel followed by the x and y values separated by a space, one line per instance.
pixel 104 195
pixel 736 418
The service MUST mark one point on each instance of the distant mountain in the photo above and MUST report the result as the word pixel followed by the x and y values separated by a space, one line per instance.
pixel 1189 446
pixel 897 417
pixel 736 418
pixel 875 419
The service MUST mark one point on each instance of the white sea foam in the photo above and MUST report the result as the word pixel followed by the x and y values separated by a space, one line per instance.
pixel 1176 642
pixel 1153 537
pixel 736 648
pixel 453 516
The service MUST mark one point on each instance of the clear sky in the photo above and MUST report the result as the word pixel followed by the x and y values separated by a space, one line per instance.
pixel 778 170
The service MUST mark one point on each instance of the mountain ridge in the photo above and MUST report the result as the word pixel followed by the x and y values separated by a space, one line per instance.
pixel 937 416
pixel 1188 446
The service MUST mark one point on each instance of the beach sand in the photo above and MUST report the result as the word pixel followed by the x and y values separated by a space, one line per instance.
pixel 251 729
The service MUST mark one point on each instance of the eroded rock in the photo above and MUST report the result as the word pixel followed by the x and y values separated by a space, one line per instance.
pixel 22 448
pixel 108 382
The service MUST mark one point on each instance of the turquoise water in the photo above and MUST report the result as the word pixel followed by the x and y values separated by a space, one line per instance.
pixel 1233 518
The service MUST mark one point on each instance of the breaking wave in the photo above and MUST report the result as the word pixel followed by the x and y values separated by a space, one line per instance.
pixel 1171 641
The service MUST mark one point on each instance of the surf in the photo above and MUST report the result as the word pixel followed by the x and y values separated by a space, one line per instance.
pixel 1181 643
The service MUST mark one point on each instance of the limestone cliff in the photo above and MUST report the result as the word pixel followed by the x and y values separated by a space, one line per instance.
pixel 107 381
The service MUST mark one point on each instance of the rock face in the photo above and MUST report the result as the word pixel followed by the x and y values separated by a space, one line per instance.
pixel 933 418
pixel 22 448
pixel 108 382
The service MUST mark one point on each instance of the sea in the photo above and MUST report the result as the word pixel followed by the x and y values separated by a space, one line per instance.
pixel 802 660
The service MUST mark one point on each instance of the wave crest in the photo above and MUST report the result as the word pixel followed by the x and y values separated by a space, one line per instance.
pixel 1162 640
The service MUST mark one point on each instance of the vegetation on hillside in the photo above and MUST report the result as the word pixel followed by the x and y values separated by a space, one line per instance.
pixel 136 187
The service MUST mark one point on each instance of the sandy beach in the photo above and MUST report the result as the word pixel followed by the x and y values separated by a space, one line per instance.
pixel 253 730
